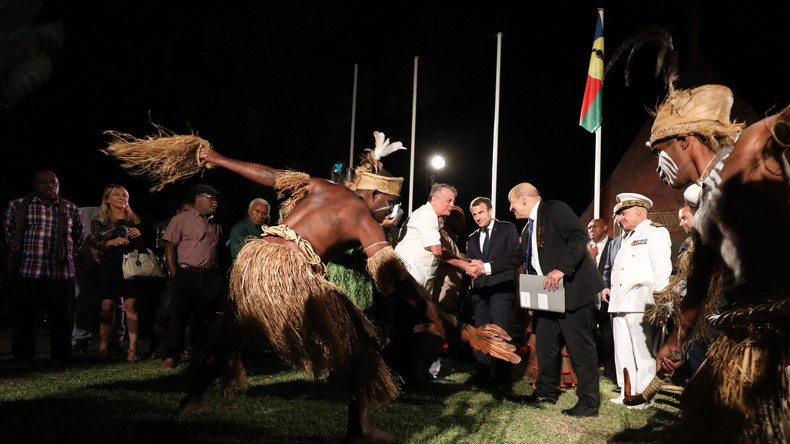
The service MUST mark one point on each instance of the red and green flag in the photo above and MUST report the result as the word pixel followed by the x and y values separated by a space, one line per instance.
pixel 591 114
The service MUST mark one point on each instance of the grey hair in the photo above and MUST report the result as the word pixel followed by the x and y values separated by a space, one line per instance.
pixel 261 200
pixel 437 188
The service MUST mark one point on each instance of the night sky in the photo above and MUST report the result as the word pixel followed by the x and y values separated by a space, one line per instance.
pixel 271 82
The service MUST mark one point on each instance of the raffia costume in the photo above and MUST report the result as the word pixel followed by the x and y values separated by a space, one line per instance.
pixel 740 393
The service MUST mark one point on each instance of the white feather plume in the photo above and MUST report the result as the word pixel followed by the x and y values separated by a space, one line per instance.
pixel 383 146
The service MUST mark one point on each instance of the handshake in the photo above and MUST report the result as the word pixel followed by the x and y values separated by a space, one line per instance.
pixel 474 268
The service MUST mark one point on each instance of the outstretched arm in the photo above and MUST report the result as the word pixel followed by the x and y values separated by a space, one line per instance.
pixel 255 172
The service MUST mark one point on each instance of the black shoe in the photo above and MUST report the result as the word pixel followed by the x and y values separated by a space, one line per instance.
pixel 537 399
pixel 81 346
pixel 580 411
pixel 440 379
pixel 617 390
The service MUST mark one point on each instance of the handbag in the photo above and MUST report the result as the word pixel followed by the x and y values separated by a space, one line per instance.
pixel 139 264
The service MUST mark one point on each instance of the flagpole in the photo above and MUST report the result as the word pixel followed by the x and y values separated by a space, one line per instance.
pixel 591 113
pixel 353 117
pixel 597 186
pixel 597 180
pixel 413 134
pixel 495 154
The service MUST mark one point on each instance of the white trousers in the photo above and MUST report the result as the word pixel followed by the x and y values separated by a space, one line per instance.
pixel 636 342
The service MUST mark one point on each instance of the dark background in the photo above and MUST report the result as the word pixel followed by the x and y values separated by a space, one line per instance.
pixel 271 82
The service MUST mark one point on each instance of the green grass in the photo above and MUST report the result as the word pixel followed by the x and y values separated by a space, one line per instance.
pixel 84 401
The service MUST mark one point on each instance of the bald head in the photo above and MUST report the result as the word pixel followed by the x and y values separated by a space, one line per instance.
pixel 523 198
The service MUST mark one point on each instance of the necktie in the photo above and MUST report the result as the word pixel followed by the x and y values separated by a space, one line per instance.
pixel 486 239
pixel 529 245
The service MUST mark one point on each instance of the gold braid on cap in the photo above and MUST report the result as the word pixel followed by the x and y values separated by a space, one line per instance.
pixel 367 175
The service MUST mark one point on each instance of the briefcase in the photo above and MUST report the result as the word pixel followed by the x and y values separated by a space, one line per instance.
pixel 534 297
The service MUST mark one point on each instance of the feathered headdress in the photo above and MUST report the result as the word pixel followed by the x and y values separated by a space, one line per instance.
pixel 666 61
pixel 368 173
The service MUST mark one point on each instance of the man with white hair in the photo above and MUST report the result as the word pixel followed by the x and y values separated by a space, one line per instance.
pixel 643 265
pixel 257 215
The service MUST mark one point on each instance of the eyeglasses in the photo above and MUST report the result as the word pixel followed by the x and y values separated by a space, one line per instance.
pixel 209 197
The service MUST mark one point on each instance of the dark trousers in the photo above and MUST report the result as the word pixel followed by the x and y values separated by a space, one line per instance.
pixel 576 327
pixel 492 305
pixel 605 344
pixel 196 293
pixel 56 295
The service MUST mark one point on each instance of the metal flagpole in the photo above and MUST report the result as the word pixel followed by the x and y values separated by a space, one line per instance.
pixel 597 184
pixel 413 135
pixel 495 154
pixel 353 117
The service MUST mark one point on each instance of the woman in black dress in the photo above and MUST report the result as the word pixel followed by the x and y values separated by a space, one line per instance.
pixel 115 231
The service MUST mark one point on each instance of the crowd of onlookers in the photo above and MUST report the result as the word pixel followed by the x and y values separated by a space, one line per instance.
pixel 70 260
pixel 64 269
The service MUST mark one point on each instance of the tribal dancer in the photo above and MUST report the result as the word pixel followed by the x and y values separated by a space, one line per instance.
pixel 735 283
pixel 280 293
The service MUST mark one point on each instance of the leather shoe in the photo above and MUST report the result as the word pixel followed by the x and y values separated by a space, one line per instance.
pixel 537 399
pixel 581 411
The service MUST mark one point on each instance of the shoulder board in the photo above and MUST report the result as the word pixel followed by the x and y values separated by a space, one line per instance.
pixel 656 224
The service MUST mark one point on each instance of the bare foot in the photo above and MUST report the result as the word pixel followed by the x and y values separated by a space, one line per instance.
pixel 371 435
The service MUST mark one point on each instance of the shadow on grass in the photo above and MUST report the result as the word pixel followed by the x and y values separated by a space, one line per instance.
pixel 92 419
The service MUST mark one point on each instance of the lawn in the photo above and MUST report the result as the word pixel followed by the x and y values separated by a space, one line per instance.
pixel 85 401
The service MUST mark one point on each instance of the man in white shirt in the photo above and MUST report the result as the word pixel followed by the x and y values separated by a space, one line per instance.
pixel 420 248
pixel 643 265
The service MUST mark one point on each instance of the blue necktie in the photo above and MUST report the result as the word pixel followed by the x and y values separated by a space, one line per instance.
pixel 486 240
pixel 529 246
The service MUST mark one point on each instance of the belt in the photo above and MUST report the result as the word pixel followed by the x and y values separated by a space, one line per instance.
pixel 198 269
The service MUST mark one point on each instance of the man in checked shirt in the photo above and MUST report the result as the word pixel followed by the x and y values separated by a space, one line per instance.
pixel 43 230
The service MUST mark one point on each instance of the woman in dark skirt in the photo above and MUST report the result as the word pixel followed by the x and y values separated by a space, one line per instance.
pixel 115 231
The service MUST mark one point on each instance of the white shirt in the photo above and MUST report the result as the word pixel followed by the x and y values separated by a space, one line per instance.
pixel 533 239
pixel 486 232
pixel 600 245
pixel 422 232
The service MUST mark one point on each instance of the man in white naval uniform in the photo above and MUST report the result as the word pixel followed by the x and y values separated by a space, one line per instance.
pixel 642 265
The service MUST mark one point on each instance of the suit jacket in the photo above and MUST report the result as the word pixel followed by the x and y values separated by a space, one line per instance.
pixel 503 240
pixel 613 246
pixel 602 262
pixel 562 245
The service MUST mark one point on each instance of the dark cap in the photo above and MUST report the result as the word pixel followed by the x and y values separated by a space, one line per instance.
pixel 203 188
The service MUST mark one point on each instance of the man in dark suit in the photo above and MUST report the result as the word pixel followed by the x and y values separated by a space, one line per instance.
pixel 492 296
pixel 554 244
pixel 598 246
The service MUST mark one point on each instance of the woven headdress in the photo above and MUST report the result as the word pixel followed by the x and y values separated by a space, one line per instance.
pixel 367 175
pixel 704 110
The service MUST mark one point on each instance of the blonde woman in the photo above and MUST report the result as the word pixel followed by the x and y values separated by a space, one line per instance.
pixel 116 230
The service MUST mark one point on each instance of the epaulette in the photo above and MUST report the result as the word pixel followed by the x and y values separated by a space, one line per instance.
pixel 656 224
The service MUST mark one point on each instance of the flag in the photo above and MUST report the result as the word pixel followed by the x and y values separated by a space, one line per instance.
pixel 591 115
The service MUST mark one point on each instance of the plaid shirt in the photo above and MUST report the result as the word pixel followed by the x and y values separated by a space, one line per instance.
pixel 41 232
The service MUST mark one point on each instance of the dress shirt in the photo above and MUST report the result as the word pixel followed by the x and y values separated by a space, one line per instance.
pixel 195 239
pixel 41 235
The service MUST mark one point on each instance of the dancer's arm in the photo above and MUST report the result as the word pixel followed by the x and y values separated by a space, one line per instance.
pixel 255 172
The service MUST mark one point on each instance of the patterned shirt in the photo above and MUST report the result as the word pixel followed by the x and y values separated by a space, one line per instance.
pixel 195 239
pixel 41 233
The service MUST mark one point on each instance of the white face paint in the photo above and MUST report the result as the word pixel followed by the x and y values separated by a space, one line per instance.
pixel 667 169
